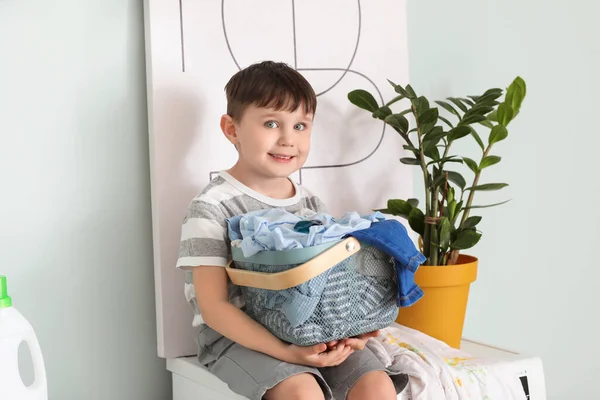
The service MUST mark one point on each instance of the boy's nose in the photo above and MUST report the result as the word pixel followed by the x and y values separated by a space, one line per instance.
pixel 286 138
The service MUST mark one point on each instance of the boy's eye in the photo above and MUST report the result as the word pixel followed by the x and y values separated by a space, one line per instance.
pixel 299 127
pixel 271 124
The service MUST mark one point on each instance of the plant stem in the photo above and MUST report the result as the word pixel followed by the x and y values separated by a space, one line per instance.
pixel 428 199
pixel 472 192
pixel 436 255
pixel 434 250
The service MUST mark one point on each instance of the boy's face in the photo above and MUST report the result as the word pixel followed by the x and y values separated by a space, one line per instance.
pixel 271 143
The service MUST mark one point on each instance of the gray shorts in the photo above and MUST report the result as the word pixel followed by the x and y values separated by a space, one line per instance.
pixel 250 373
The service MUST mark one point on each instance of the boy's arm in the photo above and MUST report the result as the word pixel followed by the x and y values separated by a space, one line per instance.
pixel 210 283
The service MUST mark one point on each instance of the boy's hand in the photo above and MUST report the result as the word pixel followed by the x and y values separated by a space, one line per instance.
pixel 356 342
pixel 318 355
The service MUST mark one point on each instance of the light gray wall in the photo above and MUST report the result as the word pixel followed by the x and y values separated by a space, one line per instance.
pixel 75 218
pixel 537 288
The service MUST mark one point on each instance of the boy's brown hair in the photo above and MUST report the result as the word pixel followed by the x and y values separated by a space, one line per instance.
pixel 269 84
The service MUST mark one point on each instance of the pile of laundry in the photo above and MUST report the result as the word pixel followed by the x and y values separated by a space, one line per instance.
pixel 439 372
pixel 277 229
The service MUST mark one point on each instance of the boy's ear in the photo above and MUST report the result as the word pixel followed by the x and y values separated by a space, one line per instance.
pixel 229 129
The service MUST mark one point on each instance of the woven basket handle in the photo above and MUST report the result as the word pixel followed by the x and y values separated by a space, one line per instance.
pixel 297 275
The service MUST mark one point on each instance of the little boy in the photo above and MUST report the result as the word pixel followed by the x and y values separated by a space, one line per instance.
pixel 270 110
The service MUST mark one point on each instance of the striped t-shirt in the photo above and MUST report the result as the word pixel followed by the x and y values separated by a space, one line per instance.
pixel 204 239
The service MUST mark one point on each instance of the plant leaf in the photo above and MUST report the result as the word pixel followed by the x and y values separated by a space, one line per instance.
pixel 399 207
pixel 458 132
pixel 433 137
pixel 435 134
pixel 382 112
pixel 479 110
pixel 458 104
pixel 505 114
pixel 515 94
pixel 488 186
pixel 429 117
pixel 416 220
pixel 493 116
pixel 458 210
pixel 487 124
pixel 413 202
pixel 498 134
pixel 421 104
pixel 439 178
pixel 457 179
pixel 489 161
pixel 471 222
pixel 446 121
pixel 398 89
pixel 426 128
pixel 497 91
pixel 477 138
pixel 363 99
pixel 489 97
pixel 432 153
pixel 472 119
pixel 466 239
pixel 451 209
pixel 487 205
pixel 446 160
pixel 467 101
pixel 445 229
pixel 428 145
pixel 395 99
pixel 410 161
pixel 448 107
pixel 411 92
pixel 398 122
pixel 471 164
pixel 451 194
pixel 409 148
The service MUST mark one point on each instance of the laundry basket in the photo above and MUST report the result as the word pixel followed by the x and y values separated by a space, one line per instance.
pixel 319 293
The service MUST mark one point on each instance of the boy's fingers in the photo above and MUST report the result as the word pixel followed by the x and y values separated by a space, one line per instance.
pixel 356 344
pixel 334 355
pixel 347 351
pixel 344 353
pixel 318 348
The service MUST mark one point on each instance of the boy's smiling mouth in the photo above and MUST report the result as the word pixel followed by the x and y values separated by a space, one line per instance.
pixel 281 157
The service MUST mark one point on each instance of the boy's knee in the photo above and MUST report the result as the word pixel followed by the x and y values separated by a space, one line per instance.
pixel 375 385
pixel 305 394
pixel 297 387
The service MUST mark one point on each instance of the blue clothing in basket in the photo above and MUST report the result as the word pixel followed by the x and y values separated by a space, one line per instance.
pixel 390 236
pixel 277 229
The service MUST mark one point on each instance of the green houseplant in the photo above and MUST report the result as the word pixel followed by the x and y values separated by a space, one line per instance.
pixel 446 225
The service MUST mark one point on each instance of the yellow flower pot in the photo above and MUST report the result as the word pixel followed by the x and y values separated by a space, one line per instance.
pixel 440 313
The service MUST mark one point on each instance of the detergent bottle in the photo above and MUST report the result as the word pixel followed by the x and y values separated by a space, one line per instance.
pixel 15 329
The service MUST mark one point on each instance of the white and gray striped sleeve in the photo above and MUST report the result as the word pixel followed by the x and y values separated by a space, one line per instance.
pixel 203 236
